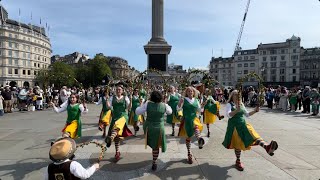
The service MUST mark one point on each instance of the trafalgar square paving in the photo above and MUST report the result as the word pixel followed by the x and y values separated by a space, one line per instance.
pixel 25 142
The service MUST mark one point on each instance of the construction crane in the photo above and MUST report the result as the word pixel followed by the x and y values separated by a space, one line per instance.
pixel 237 48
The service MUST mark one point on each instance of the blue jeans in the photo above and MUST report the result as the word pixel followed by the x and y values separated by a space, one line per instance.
pixel 1 112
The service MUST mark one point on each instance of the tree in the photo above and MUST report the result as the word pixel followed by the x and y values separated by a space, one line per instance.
pixel 42 77
pixel 61 74
pixel 99 69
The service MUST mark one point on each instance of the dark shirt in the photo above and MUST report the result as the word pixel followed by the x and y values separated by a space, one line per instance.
pixel 6 95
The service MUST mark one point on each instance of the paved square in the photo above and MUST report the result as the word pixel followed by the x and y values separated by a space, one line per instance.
pixel 25 142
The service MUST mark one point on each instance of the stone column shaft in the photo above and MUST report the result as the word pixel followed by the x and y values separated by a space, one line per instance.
pixel 157 20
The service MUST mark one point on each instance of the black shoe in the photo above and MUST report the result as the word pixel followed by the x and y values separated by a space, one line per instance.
pixel 221 117
pixel 172 133
pixel 208 135
pixel 201 143
pixel 303 112
pixel 108 140
pixel 154 167
pixel 136 128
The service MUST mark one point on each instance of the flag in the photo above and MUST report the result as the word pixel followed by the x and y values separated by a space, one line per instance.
pixel 40 21
pixel 31 16
pixel 19 12
pixel 46 25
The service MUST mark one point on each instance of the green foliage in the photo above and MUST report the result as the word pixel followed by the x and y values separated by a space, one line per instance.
pixel 93 73
pixel 62 74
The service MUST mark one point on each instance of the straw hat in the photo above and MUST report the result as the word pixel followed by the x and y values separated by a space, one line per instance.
pixel 62 149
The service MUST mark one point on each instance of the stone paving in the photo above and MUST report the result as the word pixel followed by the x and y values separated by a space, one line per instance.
pixel 25 141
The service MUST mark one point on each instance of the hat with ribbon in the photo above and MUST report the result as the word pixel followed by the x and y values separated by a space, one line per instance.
pixel 62 149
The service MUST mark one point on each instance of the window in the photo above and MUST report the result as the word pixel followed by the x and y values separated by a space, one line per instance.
pixel 10 61
pixel 16 54
pixel 273 58
pixel 45 59
pixel 240 58
pixel 252 57
pixel 35 64
pixel 245 65
pixel 10 44
pixel 29 72
pixel 16 36
pixel 239 72
pixel 16 62
pixel 273 71
pixel 274 64
pixel 283 57
pixel 294 50
pixel 10 35
pixel 28 55
pixel 274 78
pixel 294 78
pixel 282 51
pixel 24 72
pixel 294 63
pixel 15 71
pixel 38 65
pixel 35 73
pixel 216 66
pixel 246 58
pixel 265 64
pixel 239 65
pixel 282 71
pixel 24 63
pixel 293 71
pixel 252 64
pixel 10 53
pixel 282 78
pixel 24 55
pixel 294 57
pixel 9 71
pixel 245 72
pixel 273 51
pixel 264 58
pixel 264 52
pixel 16 45
pixel 282 64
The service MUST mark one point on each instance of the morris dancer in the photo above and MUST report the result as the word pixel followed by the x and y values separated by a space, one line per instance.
pixel 73 127
pixel 173 100
pixel 190 125
pixel 154 124
pixel 211 111
pixel 118 127
pixel 105 115
pixel 240 135
pixel 135 119
pixel 62 166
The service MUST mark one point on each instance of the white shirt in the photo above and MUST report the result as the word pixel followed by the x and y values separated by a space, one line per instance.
pixel 76 169
pixel 100 100
pixel 118 98
pixel 174 94
pixel 229 110
pixel 191 101
pixel 64 106
pixel 142 109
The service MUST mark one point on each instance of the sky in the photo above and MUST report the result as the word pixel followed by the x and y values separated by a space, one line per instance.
pixel 196 29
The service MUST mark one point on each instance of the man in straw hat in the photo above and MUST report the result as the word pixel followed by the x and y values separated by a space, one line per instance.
pixel 62 167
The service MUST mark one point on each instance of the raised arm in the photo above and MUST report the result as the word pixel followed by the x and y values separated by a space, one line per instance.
pixel 142 109
pixel 62 108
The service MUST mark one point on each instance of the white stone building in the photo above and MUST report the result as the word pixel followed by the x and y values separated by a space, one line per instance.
pixel 222 70
pixel 24 51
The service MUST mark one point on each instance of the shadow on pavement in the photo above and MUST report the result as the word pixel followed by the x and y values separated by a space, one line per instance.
pixel 21 168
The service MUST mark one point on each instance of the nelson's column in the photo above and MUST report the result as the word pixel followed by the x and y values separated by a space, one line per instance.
pixel 157 48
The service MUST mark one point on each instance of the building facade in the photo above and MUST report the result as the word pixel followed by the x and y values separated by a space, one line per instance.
pixel 246 61
pixel 73 59
pixel 310 67
pixel 24 51
pixel 119 67
pixel 176 71
pixel 222 70
pixel 279 63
